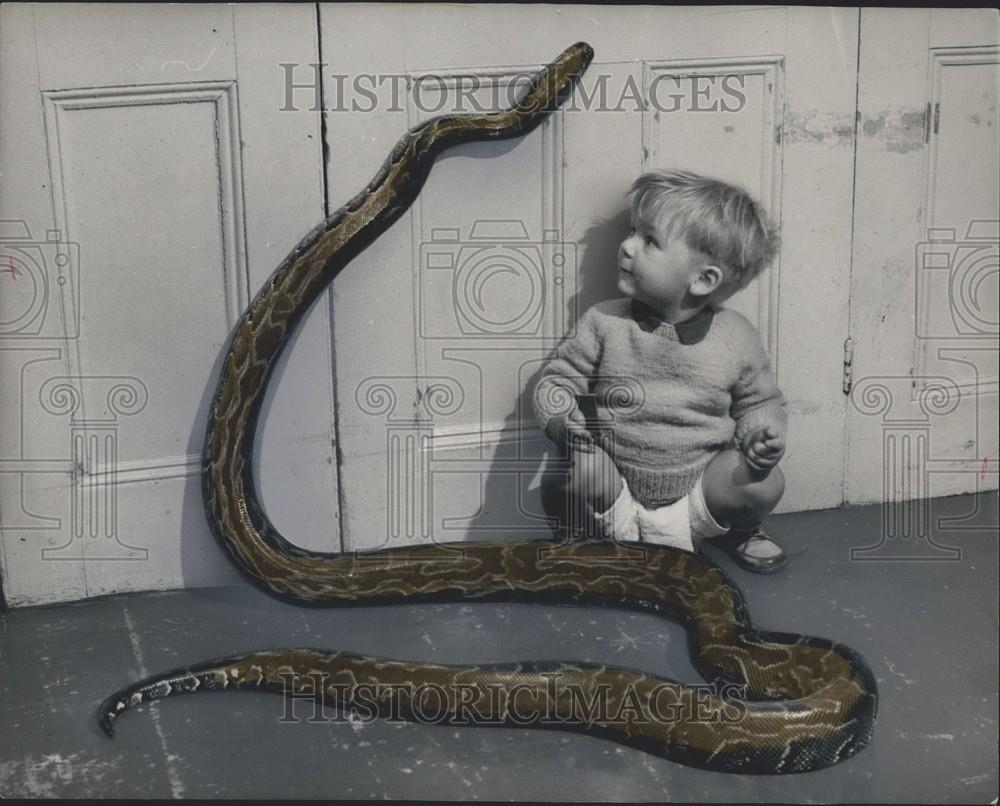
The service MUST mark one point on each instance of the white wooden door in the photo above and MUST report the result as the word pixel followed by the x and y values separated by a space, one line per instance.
pixel 441 326
pixel 924 311
pixel 150 185
pixel 159 161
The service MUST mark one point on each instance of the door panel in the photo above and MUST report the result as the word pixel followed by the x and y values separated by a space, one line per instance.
pixel 150 150
pixel 442 326
pixel 924 317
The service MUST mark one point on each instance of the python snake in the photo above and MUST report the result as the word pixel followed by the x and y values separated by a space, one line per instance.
pixel 779 702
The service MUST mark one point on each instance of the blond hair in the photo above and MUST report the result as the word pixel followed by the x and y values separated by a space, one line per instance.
pixel 718 219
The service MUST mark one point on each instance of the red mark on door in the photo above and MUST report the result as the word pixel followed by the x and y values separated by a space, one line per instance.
pixel 985 466
pixel 11 269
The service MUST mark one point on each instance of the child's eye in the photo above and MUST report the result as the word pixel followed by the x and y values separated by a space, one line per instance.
pixel 651 241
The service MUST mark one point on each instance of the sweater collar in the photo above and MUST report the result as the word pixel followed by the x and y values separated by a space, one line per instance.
pixel 690 332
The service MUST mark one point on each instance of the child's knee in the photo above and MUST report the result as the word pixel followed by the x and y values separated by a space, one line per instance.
pixel 734 492
pixel 595 479
pixel 764 495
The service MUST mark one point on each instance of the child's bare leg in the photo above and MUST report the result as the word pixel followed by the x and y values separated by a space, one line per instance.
pixel 593 480
pixel 739 495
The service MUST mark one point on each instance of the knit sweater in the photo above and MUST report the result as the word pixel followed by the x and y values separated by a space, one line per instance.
pixel 677 394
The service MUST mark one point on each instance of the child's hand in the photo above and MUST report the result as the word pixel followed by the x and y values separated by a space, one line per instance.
pixel 764 447
pixel 570 429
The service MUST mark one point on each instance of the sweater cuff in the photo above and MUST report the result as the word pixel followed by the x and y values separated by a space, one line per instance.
pixel 552 399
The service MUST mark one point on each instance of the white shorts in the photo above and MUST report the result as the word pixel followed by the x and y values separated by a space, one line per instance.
pixel 677 524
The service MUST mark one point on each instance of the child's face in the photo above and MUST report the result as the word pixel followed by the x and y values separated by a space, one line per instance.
pixel 655 270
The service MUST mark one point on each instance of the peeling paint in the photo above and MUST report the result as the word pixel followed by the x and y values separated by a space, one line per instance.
pixel 902 130
pixel 816 126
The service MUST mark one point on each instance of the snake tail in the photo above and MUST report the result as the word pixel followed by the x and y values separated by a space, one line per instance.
pixel 778 702
pixel 710 728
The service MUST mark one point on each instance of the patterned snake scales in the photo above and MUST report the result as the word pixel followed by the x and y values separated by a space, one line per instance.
pixel 803 703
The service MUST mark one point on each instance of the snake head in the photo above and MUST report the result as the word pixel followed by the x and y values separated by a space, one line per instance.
pixel 554 83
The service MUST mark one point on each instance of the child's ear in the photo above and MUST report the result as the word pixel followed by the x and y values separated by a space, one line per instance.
pixel 708 280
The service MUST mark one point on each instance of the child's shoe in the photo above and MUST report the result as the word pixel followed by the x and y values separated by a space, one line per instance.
pixel 752 550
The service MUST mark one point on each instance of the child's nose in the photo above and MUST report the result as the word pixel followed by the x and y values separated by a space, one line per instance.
pixel 627 248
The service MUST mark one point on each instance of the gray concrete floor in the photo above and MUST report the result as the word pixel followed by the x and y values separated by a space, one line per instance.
pixel 929 630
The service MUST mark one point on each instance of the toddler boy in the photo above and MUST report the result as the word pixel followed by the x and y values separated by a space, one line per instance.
pixel 671 378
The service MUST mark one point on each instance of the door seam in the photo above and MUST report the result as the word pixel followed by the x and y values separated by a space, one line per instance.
pixel 845 468
pixel 338 455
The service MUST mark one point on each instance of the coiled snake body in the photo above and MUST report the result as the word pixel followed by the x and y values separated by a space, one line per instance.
pixel 804 703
